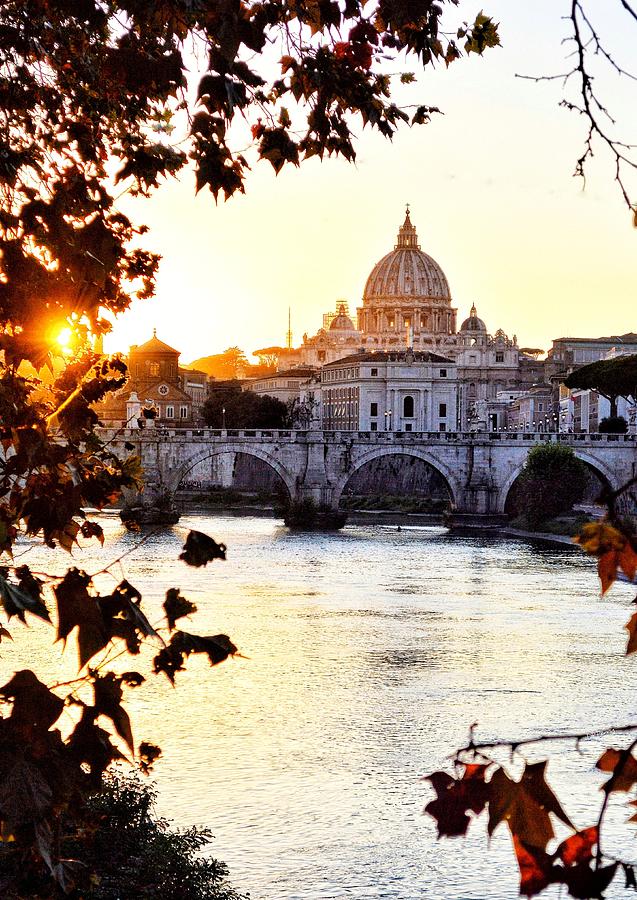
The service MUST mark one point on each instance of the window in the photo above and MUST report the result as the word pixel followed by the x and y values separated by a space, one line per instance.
pixel 374 373
pixel 374 426
pixel 442 410
pixel 170 412
pixel 442 426
pixel 499 357
pixel 408 407
pixel 373 409
pixel 153 368
pixel 408 426
pixel 183 412
pixel 321 355
pixel 540 407
pixel 443 373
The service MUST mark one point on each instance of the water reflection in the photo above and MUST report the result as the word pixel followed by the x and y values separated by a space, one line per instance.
pixel 370 653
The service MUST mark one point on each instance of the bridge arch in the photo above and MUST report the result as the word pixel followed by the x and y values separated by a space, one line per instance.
pixel 176 475
pixel 371 454
pixel 606 475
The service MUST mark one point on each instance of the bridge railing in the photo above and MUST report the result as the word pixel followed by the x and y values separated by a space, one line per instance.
pixel 259 435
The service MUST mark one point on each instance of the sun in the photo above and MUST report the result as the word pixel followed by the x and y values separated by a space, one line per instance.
pixel 64 341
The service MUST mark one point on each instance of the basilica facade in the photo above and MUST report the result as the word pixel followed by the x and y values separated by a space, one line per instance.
pixel 407 307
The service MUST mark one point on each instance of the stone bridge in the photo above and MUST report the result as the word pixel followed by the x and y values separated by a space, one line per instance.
pixel 479 468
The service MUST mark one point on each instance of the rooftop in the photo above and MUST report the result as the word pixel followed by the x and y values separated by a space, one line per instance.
pixel 390 356
pixel 154 345
pixel 629 338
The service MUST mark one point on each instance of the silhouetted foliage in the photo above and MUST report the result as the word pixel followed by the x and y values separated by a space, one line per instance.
pixel 243 409
pixel 553 479
pixel 128 852
pixel 88 89
pixel 307 515
pixel 613 425
pixel 612 378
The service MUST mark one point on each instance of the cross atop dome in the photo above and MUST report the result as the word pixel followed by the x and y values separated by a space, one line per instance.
pixel 407 236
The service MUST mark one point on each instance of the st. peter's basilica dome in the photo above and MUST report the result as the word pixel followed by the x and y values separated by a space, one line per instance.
pixel 407 272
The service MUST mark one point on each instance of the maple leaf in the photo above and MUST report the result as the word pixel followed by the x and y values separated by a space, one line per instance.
pixel 613 550
pixel 76 607
pixel 92 745
pixel 170 659
pixel 108 695
pixel 456 798
pixel 176 606
pixel 200 549
pixel 23 597
pixel 125 602
pixel 537 869
pixel 586 883
pixel 147 754
pixel 92 529
pixel 623 766
pixel 525 805
pixel 35 707
pixel 578 848
pixel 631 627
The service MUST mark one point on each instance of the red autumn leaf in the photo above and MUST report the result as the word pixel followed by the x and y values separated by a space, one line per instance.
pixel 341 49
pixel 607 568
pixel 628 561
pixel 631 628
pixel 92 529
pixel 525 806
pixel 257 129
pixel 578 848
pixel 456 797
pixel 622 765
pixel 536 868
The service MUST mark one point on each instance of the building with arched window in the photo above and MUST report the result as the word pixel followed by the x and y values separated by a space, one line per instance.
pixel 403 390
pixel 155 380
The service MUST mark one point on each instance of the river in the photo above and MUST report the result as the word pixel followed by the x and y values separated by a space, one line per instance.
pixel 369 654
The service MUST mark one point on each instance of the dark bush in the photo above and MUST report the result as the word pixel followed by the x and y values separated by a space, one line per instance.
pixel 129 853
pixel 552 480
pixel 613 425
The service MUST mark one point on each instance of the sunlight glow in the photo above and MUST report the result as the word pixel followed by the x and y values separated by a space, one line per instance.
pixel 64 341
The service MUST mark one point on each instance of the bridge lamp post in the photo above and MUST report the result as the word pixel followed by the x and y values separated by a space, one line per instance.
pixel 223 418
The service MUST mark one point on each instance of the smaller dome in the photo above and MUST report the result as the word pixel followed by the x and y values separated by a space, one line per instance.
pixel 473 323
pixel 342 322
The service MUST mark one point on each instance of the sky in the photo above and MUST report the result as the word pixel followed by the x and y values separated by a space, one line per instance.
pixel 491 193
